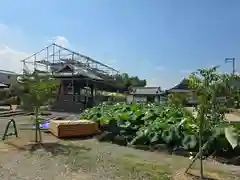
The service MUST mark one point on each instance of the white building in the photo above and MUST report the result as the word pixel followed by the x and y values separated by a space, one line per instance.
pixel 6 77
pixel 144 94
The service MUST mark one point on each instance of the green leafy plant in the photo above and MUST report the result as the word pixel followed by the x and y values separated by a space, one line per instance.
pixel 147 124
pixel 35 90
pixel 178 99
pixel 171 124
pixel 209 86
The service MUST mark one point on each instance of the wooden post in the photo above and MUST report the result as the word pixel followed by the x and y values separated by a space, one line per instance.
pixel 86 95
pixel 92 94
pixel 10 109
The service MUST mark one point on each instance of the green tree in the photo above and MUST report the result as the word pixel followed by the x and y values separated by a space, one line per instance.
pixel 35 90
pixel 209 86
pixel 178 99
pixel 233 92
pixel 124 80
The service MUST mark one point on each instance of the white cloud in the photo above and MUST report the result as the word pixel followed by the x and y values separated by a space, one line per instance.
pixel 10 38
pixel 153 82
pixel 60 40
pixel 10 59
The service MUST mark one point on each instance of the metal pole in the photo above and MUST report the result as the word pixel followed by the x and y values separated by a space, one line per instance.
pixel 233 63
pixel 73 70
pixel 35 62
pixel 232 60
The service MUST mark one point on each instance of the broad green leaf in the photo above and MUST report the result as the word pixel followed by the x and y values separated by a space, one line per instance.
pixel 154 138
pixel 232 136
pixel 189 141
pixel 182 122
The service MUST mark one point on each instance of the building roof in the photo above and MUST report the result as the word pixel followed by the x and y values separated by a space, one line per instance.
pixel 145 91
pixel 69 70
pixel 236 84
pixel 7 72
pixel 181 87
pixel 3 85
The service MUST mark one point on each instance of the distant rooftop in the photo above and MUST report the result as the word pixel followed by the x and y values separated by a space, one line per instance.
pixel 145 90
pixel 181 87
pixel 3 85
pixel 7 72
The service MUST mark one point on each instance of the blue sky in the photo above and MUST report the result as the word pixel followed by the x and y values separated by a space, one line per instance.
pixel 160 40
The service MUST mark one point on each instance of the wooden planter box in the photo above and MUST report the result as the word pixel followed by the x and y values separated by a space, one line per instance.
pixel 72 128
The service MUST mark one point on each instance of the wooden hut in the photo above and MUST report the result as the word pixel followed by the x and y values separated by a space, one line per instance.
pixel 79 87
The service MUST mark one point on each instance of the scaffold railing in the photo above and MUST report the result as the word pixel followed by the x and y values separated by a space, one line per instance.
pixel 51 57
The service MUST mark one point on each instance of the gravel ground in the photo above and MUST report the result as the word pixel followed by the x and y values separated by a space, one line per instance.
pixel 91 160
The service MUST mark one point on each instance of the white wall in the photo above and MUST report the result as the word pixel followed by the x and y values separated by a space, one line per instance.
pixel 129 98
pixel 140 98
pixel 156 99
pixel 5 78
pixel 132 98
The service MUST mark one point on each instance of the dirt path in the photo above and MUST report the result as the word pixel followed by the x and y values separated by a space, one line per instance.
pixel 231 117
pixel 90 160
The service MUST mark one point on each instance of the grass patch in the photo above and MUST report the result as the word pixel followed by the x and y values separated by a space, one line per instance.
pixel 80 160
pixel 143 169
pixel 78 157
pixel 127 166
pixel 128 155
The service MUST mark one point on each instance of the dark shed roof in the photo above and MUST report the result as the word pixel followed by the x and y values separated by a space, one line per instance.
pixel 181 87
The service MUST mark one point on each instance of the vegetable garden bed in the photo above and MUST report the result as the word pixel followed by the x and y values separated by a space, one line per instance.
pixel 157 127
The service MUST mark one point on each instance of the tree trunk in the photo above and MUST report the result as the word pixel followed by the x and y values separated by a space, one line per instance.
pixel 201 130
pixel 37 127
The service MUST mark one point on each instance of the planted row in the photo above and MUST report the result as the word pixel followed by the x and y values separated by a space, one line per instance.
pixel 147 124
pixel 152 124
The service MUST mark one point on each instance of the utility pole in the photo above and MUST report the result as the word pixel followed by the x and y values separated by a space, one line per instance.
pixel 231 60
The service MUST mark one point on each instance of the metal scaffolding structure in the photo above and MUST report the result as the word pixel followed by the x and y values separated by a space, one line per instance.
pixel 82 79
pixel 54 56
